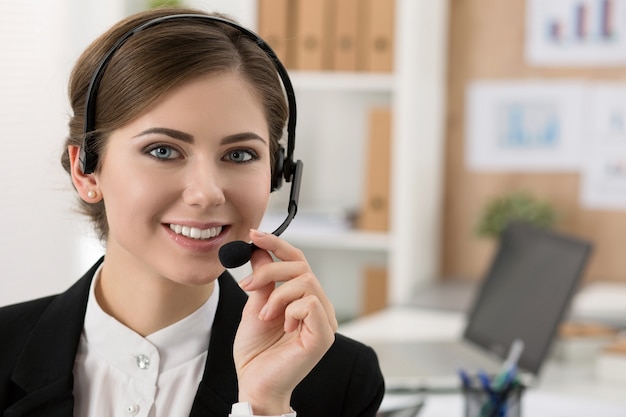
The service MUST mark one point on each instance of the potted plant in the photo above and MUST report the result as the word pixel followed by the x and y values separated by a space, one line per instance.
pixel 153 4
pixel 515 206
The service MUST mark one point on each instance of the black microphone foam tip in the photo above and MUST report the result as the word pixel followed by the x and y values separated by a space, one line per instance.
pixel 236 253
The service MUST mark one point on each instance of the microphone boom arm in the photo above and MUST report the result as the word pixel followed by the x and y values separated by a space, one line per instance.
pixel 294 196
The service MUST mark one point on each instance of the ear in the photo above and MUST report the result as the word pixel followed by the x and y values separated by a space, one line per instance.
pixel 86 184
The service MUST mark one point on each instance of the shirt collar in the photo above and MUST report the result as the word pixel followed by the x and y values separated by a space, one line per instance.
pixel 176 344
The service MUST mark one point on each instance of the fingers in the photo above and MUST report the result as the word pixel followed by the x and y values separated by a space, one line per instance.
pixel 308 315
pixel 278 299
pixel 302 287
pixel 293 265
pixel 282 298
pixel 294 272
pixel 258 298
pixel 279 247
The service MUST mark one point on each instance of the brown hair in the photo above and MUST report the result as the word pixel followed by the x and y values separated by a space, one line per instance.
pixel 154 61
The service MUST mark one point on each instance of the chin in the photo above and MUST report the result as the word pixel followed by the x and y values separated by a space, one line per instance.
pixel 195 275
pixel 195 280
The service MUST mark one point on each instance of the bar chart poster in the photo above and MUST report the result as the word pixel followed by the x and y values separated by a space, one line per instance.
pixel 524 126
pixel 576 32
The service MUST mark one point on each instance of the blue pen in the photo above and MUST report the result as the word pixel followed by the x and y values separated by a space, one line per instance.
pixel 485 382
pixel 488 406
pixel 465 379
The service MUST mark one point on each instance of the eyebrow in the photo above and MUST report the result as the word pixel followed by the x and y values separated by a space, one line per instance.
pixel 173 133
pixel 186 137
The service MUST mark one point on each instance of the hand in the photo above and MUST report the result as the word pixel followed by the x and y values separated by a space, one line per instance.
pixel 285 330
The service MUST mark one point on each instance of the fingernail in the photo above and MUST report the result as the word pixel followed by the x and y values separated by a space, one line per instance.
pixel 258 233
pixel 263 312
pixel 245 282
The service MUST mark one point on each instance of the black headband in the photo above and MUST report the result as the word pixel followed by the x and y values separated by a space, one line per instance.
pixel 89 158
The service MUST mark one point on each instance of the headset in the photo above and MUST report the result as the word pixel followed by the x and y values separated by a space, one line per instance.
pixel 235 253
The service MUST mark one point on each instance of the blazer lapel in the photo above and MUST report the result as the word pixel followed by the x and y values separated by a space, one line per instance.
pixel 218 389
pixel 44 369
pixel 48 384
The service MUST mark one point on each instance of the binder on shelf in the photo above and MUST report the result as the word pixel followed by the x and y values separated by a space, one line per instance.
pixel 375 289
pixel 378 35
pixel 346 35
pixel 274 17
pixel 314 24
pixel 374 213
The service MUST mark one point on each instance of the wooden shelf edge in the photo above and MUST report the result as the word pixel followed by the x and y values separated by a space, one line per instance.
pixel 350 240
pixel 342 81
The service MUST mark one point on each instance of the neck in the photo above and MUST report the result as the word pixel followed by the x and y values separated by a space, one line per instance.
pixel 147 303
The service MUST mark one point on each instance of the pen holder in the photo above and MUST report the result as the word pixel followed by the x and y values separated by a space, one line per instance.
pixel 480 402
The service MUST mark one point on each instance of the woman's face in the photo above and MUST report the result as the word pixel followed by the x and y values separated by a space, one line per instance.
pixel 187 176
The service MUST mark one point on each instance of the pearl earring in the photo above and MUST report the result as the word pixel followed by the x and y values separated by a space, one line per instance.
pixel 91 194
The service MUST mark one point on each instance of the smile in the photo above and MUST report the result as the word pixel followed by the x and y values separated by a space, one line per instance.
pixel 195 232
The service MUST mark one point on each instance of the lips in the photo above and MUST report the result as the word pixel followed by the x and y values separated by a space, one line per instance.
pixel 196 232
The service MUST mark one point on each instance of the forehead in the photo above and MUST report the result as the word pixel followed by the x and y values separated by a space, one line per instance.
pixel 220 103
pixel 215 87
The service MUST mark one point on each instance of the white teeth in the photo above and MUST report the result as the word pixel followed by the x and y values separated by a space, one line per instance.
pixel 195 232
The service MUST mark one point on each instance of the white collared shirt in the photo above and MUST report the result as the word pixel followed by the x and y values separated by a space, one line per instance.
pixel 117 372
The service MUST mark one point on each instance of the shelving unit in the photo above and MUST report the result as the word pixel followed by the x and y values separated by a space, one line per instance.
pixel 342 81
pixel 331 140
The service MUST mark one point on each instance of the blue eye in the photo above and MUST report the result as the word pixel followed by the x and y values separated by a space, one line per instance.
pixel 164 152
pixel 240 155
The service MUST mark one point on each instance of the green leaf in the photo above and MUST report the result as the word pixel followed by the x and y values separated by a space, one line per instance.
pixel 515 206
pixel 155 4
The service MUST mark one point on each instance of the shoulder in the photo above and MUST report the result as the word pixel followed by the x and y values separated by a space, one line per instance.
pixel 17 322
pixel 20 317
pixel 63 311
pixel 347 378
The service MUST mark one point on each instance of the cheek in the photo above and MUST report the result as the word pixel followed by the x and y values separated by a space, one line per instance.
pixel 253 197
pixel 129 196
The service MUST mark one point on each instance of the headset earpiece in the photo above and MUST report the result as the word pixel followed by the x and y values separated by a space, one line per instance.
pixel 278 172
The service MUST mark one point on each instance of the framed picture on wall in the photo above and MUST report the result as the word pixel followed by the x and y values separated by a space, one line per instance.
pixel 524 125
pixel 576 32
pixel 603 179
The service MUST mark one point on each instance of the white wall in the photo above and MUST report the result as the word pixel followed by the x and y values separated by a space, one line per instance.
pixel 44 244
pixel 40 230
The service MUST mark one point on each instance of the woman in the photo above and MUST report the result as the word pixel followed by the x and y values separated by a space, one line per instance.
pixel 187 122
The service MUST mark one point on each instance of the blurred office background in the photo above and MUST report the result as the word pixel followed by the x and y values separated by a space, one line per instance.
pixel 396 180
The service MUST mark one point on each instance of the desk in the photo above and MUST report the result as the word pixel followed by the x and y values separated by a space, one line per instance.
pixel 565 389
pixel 534 404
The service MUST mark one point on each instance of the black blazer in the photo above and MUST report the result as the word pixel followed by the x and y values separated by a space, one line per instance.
pixel 39 340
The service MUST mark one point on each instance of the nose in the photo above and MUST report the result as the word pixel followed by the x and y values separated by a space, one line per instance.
pixel 204 187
